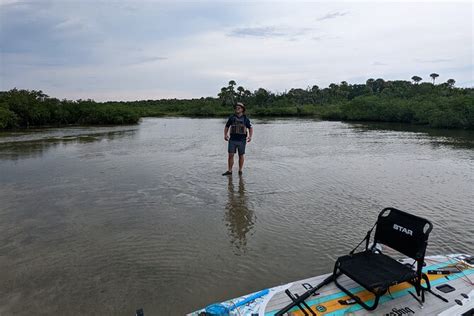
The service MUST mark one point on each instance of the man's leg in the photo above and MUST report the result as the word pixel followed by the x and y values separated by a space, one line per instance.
pixel 230 162
pixel 241 162
pixel 230 158
pixel 241 149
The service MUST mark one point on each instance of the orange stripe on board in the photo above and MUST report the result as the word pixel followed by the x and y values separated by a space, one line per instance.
pixel 364 295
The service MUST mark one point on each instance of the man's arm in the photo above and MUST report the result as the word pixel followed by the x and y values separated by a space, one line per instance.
pixel 249 139
pixel 226 130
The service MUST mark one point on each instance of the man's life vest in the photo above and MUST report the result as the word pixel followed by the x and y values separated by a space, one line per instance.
pixel 238 125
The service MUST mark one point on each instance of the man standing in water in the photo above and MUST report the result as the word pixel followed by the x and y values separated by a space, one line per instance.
pixel 238 124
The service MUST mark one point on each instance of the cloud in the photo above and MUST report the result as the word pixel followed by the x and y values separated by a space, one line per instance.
pixel 332 16
pixel 433 61
pixel 9 2
pixel 268 32
pixel 147 60
pixel 159 49
pixel 69 24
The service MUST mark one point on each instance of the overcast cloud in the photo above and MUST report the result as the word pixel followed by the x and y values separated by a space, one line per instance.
pixel 129 50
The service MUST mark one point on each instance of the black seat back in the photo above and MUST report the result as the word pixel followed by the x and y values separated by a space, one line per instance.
pixel 406 233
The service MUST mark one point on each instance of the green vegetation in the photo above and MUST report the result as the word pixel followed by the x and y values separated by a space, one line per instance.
pixel 23 108
pixel 440 106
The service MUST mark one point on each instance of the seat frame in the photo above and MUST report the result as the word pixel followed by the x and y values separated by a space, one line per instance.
pixel 418 257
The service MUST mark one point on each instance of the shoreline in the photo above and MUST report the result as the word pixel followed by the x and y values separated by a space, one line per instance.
pixel 32 128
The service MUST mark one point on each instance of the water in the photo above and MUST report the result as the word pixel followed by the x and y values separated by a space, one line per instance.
pixel 105 220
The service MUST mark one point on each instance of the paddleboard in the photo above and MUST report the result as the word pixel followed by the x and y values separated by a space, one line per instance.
pixel 451 277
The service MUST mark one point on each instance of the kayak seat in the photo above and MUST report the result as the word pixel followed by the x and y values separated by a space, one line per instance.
pixel 376 271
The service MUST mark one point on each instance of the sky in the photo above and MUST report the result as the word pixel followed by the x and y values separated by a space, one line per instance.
pixel 136 50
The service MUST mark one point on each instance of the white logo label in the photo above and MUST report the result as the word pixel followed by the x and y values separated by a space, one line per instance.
pixel 403 229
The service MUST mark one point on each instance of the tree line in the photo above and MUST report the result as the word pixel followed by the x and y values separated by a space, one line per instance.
pixel 425 103
pixel 437 105
pixel 25 108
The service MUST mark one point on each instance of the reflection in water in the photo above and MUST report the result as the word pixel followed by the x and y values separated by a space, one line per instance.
pixel 14 149
pixel 455 138
pixel 239 217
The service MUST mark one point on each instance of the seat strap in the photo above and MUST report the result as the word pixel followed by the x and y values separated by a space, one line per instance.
pixel 366 238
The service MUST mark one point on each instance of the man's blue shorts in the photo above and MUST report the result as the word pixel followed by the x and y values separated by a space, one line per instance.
pixel 237 145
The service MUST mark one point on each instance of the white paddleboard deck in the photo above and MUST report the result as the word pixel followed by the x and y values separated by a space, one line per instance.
pixel 332 301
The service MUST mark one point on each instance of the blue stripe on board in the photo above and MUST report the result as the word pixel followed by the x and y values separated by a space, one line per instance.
pixel 357 289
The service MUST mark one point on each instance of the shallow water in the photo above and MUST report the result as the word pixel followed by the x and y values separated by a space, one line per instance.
pixel 105 220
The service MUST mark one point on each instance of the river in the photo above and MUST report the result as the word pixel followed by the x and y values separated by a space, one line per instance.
pixel 105 220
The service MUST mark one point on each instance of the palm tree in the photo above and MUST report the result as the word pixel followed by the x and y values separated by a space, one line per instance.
pixel 226 96
pixel 416 79
pixel 379 84
pixel 241 90
pixel 334 89
pixel 261 96
pixel 434 76
pixel 451 82
pixel 223 93
pixel 370 84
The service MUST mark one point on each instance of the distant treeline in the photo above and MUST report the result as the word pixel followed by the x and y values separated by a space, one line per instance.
pixel 436 105
pixel 24 108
